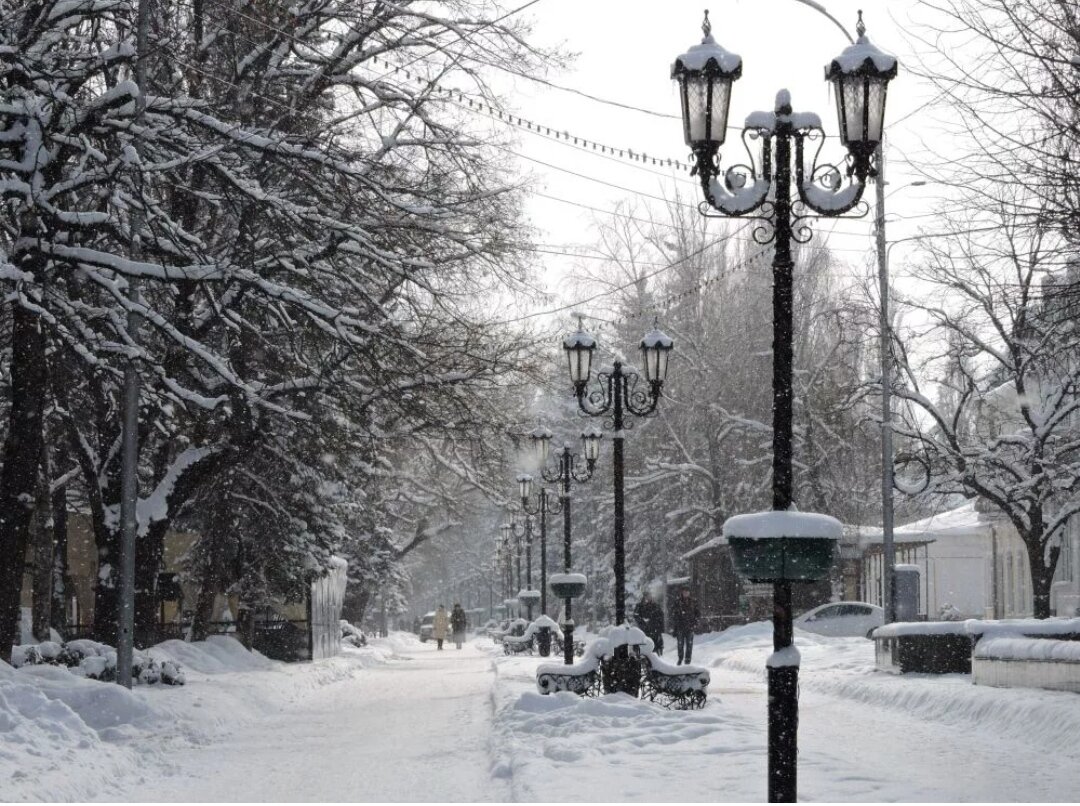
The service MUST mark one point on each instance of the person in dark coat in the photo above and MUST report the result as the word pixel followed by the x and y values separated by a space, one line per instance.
pixel 458 622
pixel 684 617
pixel 650 618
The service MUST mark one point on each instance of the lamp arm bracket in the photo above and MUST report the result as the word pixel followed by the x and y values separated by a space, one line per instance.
pixel 743 188
pixel 581 478
pixel 598 402
pixel 550 475
pixel 825 191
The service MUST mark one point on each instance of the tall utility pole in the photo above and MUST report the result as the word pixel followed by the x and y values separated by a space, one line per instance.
pixel 129 488
pixel 888 547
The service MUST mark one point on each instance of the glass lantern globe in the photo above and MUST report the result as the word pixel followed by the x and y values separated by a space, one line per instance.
pixel 860 77
pixel 705 74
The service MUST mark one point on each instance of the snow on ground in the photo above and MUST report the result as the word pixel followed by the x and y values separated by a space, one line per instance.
pixel 402 721
pixel 69 738
pixel 864 734
pixel 415 728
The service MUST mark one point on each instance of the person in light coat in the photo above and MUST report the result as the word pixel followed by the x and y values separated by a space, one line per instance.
pixel 441 625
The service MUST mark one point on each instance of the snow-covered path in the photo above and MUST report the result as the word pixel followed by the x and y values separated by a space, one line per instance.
pixel 400 721
pixel 415 729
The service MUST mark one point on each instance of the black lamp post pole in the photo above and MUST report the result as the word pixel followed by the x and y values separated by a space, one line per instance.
pixel 528 562
pixel 565 462
pixel 563 475
pixel 618 398
pixel 543 551
pixel 783 680
pixel 543 506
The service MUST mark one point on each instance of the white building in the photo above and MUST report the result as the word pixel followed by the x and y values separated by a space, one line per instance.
pixel 968 559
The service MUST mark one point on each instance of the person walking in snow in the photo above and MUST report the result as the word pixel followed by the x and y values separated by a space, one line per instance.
pixel 684 617
pixel 458 622
pixel 650 618
pixel 440 626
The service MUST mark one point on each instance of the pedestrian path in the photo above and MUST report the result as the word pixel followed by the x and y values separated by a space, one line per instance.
pixel 416 729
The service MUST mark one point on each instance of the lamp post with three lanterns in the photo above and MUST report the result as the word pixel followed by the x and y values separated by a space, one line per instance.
pixel 617 395
pixel 566 470
pixel 782 547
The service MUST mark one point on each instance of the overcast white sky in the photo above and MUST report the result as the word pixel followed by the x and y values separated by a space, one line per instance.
pixel 625 49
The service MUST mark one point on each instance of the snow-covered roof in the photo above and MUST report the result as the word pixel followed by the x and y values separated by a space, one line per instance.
pixel 708 51
pixel 863 54
pixel 657 338
pixel 579 338
pixel 964 520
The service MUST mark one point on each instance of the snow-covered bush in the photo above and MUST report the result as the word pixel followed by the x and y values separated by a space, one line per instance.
pixel 97 661
pixel 950 612
pixel 351 634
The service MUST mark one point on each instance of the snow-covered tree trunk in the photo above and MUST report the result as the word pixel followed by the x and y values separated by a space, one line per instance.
pixel 19 462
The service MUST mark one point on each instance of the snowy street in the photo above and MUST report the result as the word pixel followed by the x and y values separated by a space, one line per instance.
pixel 356 739
pixel 400 721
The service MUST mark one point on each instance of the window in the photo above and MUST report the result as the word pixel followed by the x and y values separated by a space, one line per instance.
pixel 1065 559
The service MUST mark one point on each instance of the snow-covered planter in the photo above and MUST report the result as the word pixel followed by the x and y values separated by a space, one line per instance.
pixel 1012 662
pixel 938 647
pixel 97 661
pixel 782 546
pixel 567 586
pixel 935 647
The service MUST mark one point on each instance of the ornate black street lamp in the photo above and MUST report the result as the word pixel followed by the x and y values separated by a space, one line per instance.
pixel 860 77
pixel 544 504
pixel 521 533
pixel 616 396
pixel 567 470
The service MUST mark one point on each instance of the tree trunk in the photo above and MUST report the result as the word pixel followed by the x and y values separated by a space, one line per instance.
pixel 41 599
pixel 107 585
pixel 21 456
pixel 149 552
pixel 1042 575
pixel 60 582
pixel 204 606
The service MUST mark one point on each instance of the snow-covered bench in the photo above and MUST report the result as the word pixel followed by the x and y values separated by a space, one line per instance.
pixel 526 642
pixel 679 687
pixel 560 647
pixel 580 678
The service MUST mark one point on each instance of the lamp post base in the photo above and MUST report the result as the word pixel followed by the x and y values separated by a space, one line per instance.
pixel 783 733
pixel 543 641
pixel 622 673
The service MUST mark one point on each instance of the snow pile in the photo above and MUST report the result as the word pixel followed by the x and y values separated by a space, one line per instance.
pixel 844 668
pixel 1040 649
pixel 783 524
pixel 71 738
pixel 984 628
pixel 97 661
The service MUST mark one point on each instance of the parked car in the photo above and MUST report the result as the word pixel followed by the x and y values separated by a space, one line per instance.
pixel 427 624
pixel 842 618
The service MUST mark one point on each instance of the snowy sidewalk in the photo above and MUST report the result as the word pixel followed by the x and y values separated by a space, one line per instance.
pixel 414 729
pixel 863 735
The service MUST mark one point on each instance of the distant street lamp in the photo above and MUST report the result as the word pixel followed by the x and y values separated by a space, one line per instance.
pixel 544 504
pixel 617 395
pixel 860 78
pixel 522 533
pixel 566 470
